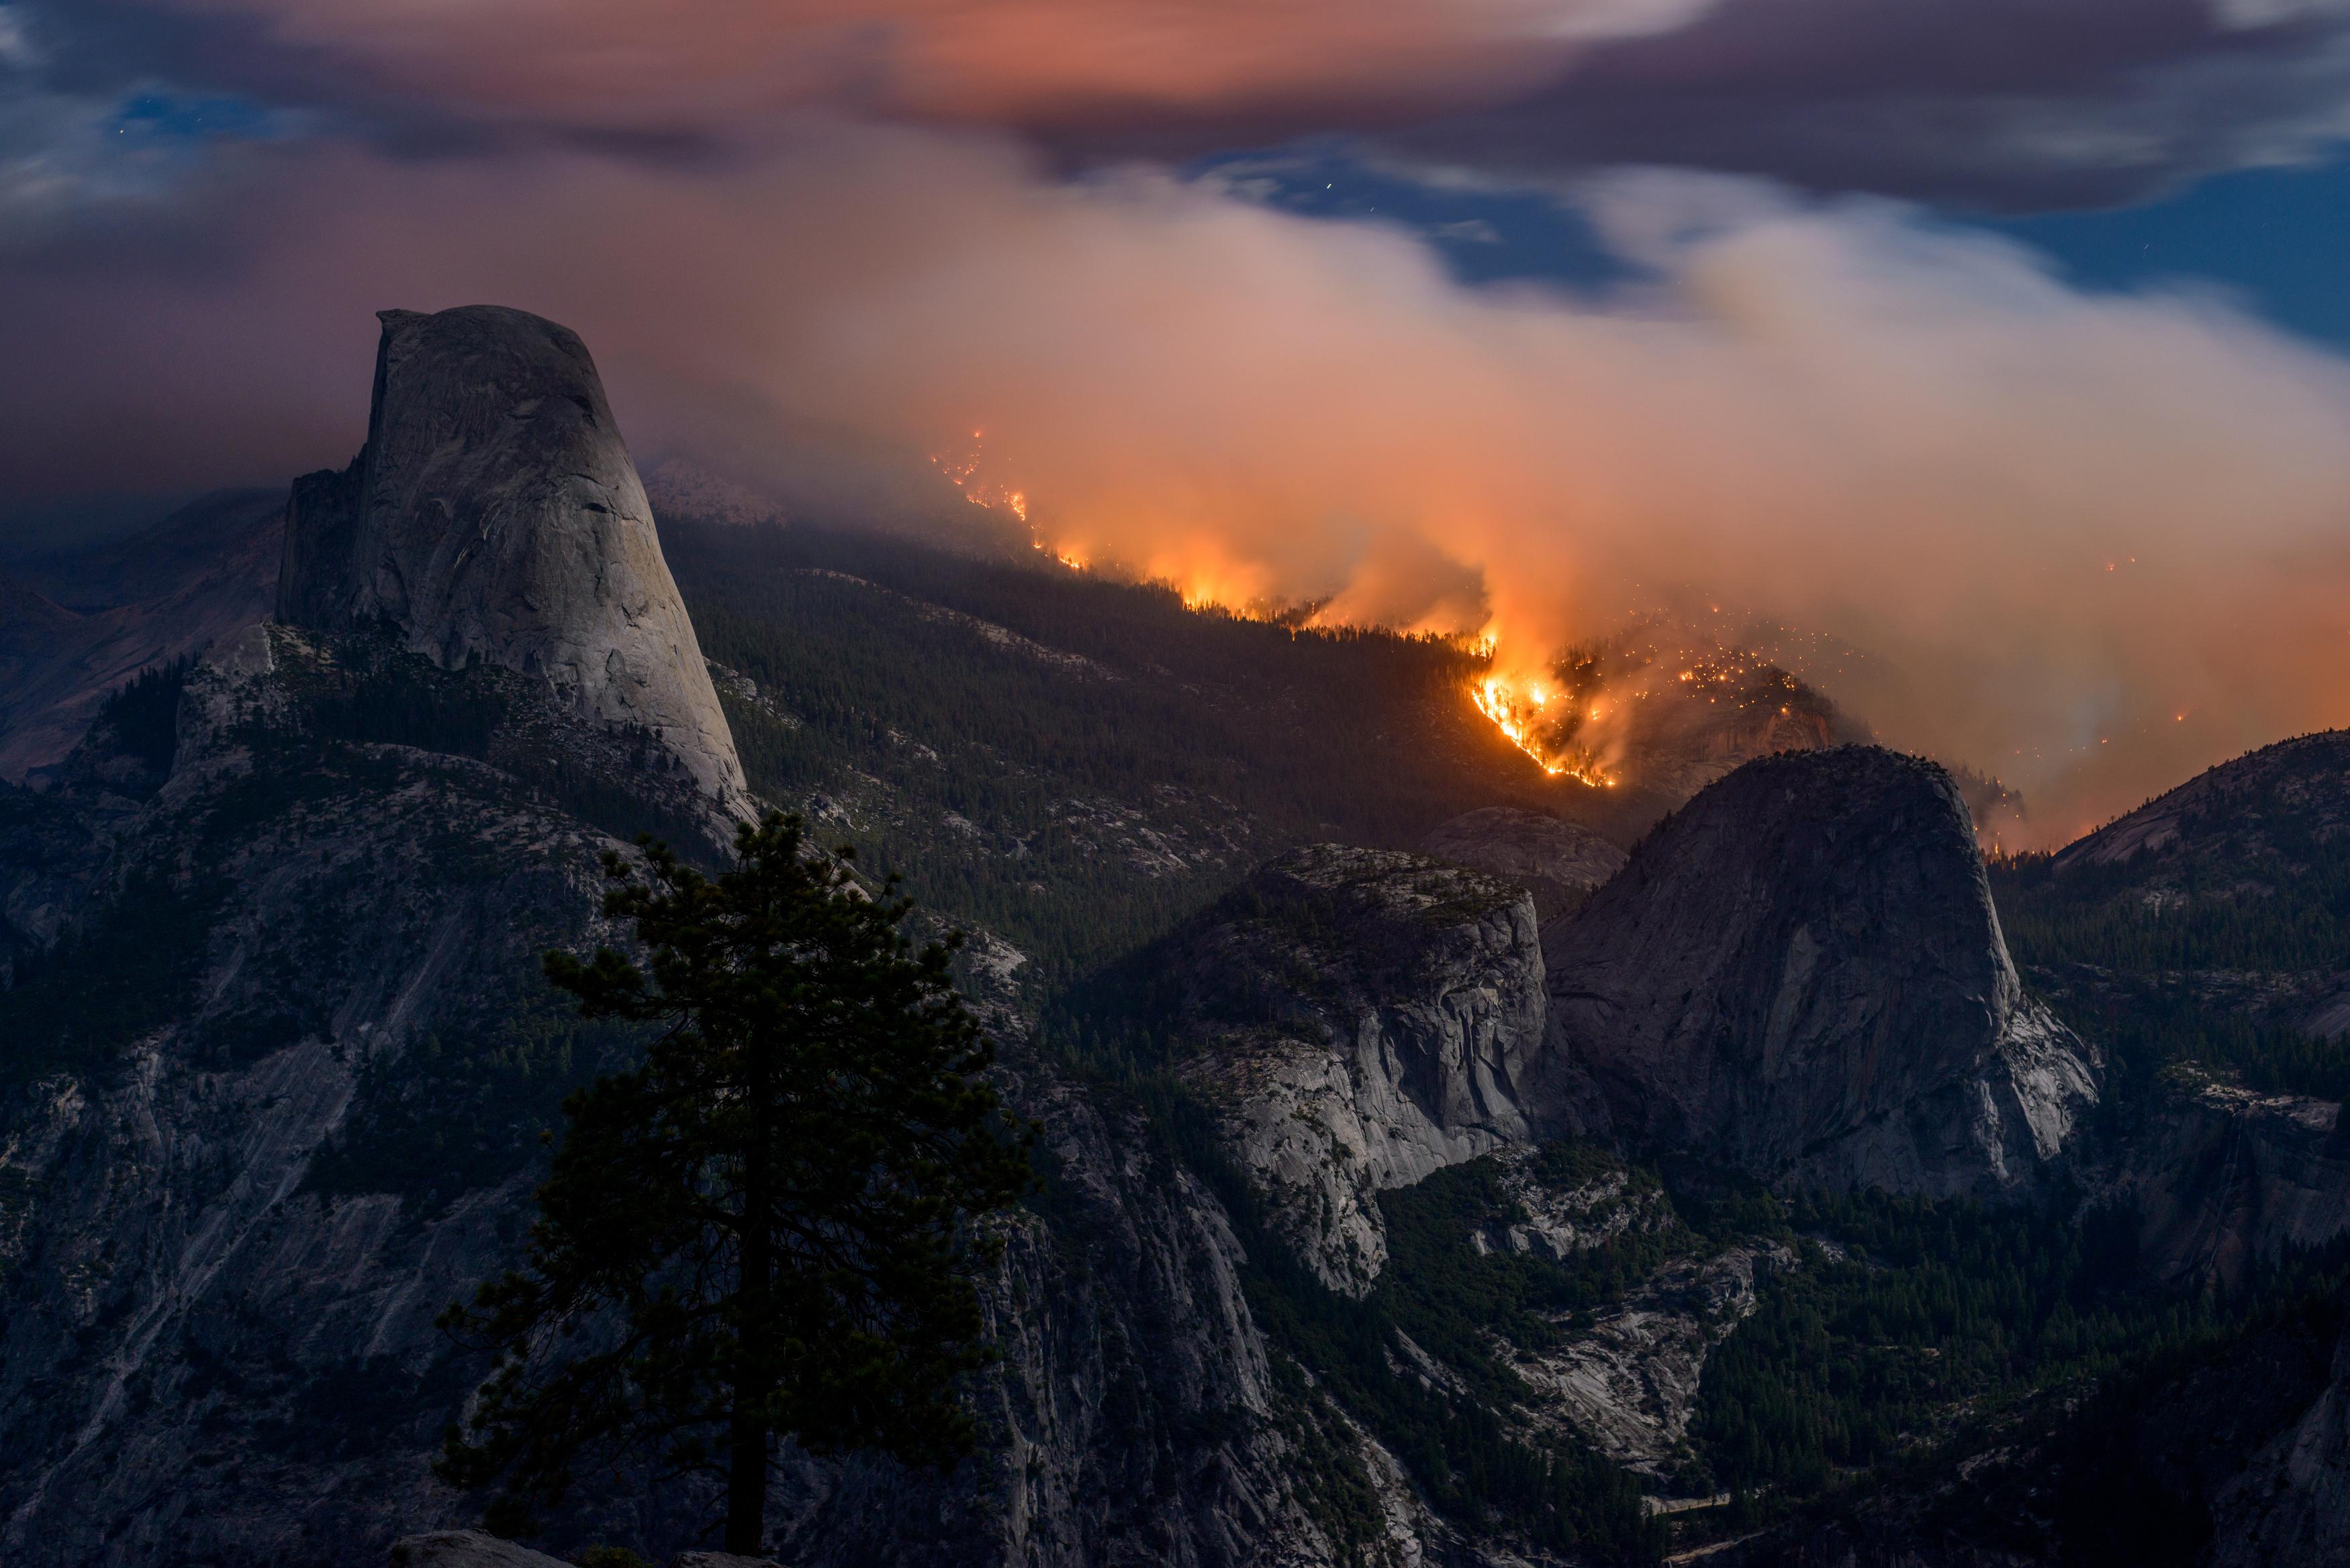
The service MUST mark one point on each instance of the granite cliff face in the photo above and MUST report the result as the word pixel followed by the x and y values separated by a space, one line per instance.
pixel 225 1229
pixel 494 514
pixel 1801 974
pixel 1360 1019
pixel 200 1325
pixel 2223 1177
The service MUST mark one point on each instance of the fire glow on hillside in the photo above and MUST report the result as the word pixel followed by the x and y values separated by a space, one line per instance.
pixel 1519 710
pixel 1660 703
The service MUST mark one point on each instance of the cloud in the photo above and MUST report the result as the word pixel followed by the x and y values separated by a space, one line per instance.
pixel 2057 520
pixel 623 65
pixel 2001 103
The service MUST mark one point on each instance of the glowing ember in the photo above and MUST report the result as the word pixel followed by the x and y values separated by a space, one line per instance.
pixel 962 470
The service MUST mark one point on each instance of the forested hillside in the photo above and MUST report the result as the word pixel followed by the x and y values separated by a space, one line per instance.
pixel 2210 929
pixel 1070 761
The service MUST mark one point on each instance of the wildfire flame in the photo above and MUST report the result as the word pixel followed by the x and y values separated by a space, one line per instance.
pixel 1520 706
pixel 961 469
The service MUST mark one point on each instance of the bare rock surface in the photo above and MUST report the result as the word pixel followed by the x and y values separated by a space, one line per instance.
pixel 1801 974
pixel 1361 1019
pixel 1629 1382
pixel 2223 1176
pixel 1558 861
pixel 466 1549
pixel 495 514
pixel 1558 1222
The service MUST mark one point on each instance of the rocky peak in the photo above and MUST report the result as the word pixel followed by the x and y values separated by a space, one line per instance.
pixel 1801 974
pixel 1359 1019
pixel 494 514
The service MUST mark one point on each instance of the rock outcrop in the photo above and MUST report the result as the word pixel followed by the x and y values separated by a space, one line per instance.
pixel 1801 974
pixel 2292 1502
pixel 2223 1177
pixel 1360 1019
pixel 1558 862
pixel 495 515
pixel 1628 1382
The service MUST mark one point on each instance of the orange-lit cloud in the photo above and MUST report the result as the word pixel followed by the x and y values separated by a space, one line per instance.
pixel 1839 418
pixel 2022 102
pixel 627 63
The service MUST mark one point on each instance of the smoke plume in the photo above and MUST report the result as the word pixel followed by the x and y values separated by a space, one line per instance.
pixel 2089 542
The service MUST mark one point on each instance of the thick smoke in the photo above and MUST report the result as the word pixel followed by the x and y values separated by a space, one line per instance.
pixel 2089 542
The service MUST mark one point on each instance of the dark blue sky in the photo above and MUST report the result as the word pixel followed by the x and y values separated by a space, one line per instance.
pixel 2274 240
pixel 2278 238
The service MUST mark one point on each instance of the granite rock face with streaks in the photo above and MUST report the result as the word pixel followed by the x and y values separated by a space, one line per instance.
pixel 1801 974
pixel 494 514
pixel 1361 1019
pixel 1629 1381
pixel 2222 1175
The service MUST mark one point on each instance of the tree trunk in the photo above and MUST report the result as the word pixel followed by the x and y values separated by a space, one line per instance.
pixel 746 1479
pixel 746 1467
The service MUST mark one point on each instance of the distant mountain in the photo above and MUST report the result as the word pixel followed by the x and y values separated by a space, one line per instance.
pixel 2231 891
pixel 75 627
pixel 2279 813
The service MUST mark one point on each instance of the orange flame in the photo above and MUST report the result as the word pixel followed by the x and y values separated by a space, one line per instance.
pixel 1516 705
pixel 1206 579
